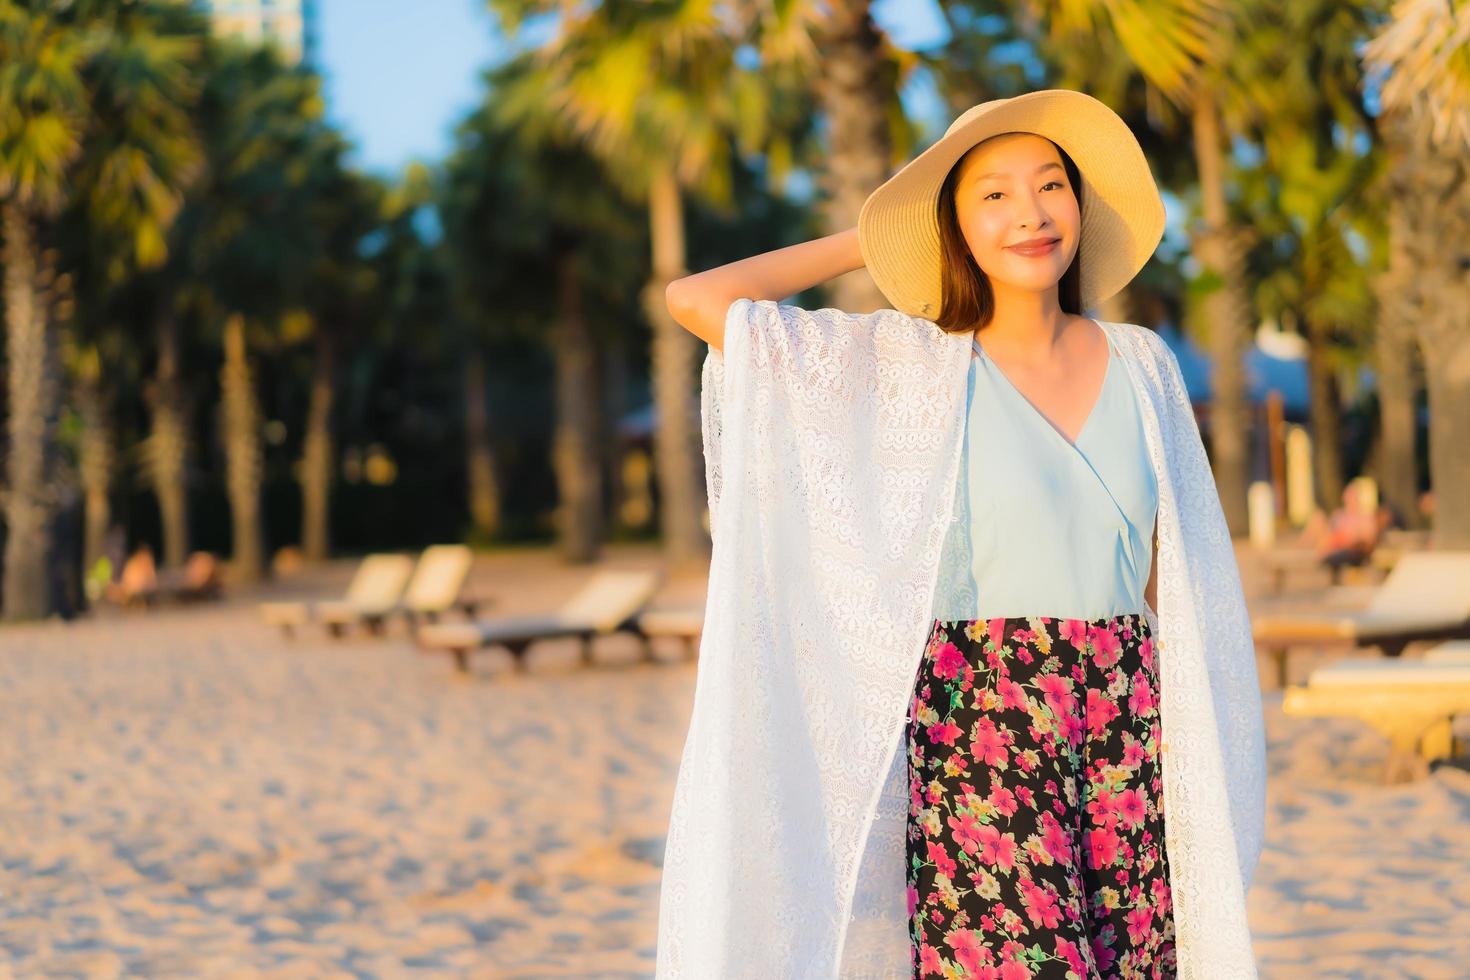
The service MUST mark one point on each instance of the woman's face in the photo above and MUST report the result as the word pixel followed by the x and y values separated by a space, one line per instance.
pixel 1012 188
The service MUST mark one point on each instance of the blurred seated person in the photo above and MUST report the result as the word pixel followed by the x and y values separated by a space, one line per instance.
pixel 201 577
pixel 1350 533
pixel 138 580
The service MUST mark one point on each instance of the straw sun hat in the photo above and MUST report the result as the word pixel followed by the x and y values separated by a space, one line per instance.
pixel 1122 213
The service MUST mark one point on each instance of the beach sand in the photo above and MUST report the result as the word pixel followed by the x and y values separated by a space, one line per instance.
pixel 185 793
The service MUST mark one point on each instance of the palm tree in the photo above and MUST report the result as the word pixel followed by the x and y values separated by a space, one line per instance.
pixel 657 94
pixel 343 212
pixel 1420 55
pixel 544 246
pixel 249 253
pixel 1308 200
pixel 97 95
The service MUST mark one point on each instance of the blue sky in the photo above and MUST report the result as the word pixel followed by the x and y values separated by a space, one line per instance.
pixel 399 74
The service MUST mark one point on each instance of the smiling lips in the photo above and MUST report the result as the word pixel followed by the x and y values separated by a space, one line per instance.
pixel 1040 248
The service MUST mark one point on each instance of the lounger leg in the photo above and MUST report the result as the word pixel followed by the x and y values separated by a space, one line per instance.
pixel 461 659
pixel 1438 742
pixel 1278 654
pixel 376 625
pixel 518 654
pixel 587 650
pixel 336 630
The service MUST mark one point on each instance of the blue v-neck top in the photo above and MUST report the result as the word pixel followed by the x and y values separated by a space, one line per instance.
pixel 1042 526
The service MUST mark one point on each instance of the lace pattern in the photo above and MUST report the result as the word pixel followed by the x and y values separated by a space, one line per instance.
pixel 832 442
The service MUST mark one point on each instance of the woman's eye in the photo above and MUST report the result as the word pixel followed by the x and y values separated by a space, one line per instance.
pixel 1043 187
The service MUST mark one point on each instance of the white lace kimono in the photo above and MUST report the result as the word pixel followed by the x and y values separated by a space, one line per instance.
pixel 832 444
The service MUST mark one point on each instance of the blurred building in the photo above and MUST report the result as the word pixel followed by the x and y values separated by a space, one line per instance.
pixel 292 24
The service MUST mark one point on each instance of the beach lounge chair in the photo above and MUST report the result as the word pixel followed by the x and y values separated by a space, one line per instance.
pixel 609 603
pixel 685 624
pixel 372 594
pixel 1412 702
pixel 434 589
pixel 1425 597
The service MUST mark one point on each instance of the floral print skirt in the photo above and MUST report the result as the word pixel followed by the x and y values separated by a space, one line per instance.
pixel 1036 827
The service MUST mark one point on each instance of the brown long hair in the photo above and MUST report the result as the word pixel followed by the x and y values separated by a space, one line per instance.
pixel 966 299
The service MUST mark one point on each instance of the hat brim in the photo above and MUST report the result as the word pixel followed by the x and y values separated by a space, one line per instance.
pixel 1122 212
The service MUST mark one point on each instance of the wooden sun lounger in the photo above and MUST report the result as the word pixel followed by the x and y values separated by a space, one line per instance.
pixel 609 603
pixel 434 588
pixel 1425 597
pixel 686 624
pixel 1412 702
pixel 371 597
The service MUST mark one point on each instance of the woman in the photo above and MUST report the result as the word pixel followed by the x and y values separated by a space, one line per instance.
pixel 938 727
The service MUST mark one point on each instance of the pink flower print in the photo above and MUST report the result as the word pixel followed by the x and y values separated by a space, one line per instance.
pixel 1040 905
pixel 995 629
pixel 986 744
pixel 1057 691
pixel 1012 695
pixel 1106 646
pixel 1003 800
pixel 1102 950
pixel 1139 920
pixel 1141 701
pixel 1100 711
pixel 967 831
pixel 944 733
pixel 949 661
pixel 929 961
pixel 1146 652
pixel 1161 893
pixel 1104 808
pixel 1074 631
pixel 1072 728
pixel 1134 753
pixel 912 894
pixel 967 948
pixel 1068 951
pixel 1101 847
pixel 1131 808
pixel 996 849
pixel 943 863
pixel 1014 970
pixel 1056 840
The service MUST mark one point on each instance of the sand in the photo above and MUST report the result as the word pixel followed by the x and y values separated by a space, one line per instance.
pixel 186 793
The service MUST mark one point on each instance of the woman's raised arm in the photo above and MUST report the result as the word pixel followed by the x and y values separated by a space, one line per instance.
pixel 700 301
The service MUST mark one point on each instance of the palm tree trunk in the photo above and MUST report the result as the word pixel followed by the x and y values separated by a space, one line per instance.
pixel 1430 183
pixel 31 392
pixel 573 452
pixel 615 406
pixel 243 457
pixel 1447 376
pixel 1397 291
pixel 316 453
pixel 94 464
pixel 166 451
pixel 676 451
pixel 1326 417
pixel 853 83
pixel 1220 250
pixel 483 490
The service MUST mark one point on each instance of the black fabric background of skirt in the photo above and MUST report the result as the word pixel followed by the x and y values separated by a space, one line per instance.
pixel 1036 828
